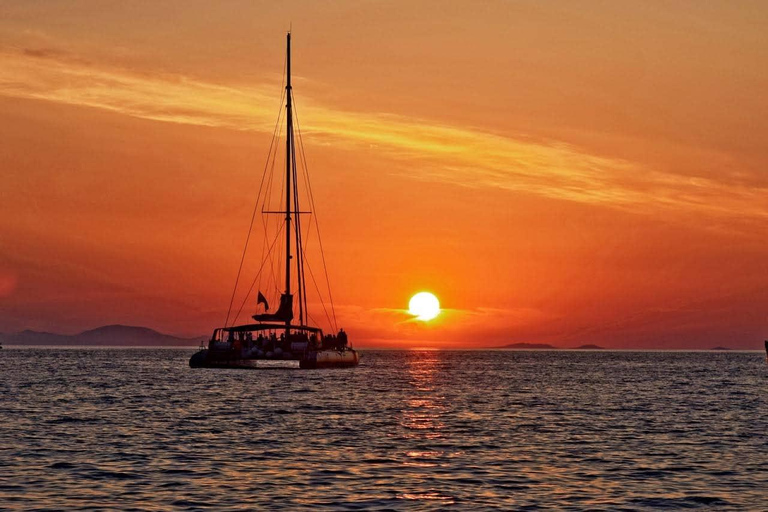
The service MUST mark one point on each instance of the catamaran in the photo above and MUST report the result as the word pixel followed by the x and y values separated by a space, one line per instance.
pixel 275 336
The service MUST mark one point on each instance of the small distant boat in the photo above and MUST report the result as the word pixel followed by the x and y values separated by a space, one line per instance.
pixel 275 336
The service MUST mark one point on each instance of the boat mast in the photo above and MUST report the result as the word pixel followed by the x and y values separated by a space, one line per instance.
pixel 288 161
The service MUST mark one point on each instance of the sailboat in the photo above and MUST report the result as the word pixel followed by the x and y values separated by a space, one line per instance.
pixel 277 336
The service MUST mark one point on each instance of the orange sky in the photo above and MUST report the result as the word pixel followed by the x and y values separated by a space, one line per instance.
pixel 553 173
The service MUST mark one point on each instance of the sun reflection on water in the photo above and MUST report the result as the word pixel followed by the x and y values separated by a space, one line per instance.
pixel 425 406
pixel 423 423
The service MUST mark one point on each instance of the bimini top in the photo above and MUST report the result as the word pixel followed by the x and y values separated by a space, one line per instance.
pixel 268 327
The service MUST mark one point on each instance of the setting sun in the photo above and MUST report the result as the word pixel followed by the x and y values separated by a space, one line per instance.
pixel 424 306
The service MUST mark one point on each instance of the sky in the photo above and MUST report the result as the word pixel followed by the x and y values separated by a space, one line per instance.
pixel 555 172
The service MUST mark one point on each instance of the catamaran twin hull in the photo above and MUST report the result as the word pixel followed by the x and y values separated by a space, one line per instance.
pixel 313 360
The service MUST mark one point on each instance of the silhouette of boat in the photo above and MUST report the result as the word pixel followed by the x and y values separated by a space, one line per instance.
pixel 275 336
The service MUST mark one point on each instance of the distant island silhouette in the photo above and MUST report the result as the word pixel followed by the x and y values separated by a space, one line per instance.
pixel 545 346
pixel 529 346
pixel 108 335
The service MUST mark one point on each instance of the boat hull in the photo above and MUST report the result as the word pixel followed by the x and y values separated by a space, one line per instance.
pixel 204 359
pixel 311 360
pixel 330 359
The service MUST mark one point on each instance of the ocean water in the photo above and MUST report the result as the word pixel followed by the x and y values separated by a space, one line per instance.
pixel 406 430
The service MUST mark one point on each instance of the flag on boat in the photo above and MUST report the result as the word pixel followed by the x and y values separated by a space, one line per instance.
pixel 262 300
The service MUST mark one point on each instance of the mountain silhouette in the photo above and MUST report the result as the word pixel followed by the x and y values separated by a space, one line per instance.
pixel 108 335
pixel 529 346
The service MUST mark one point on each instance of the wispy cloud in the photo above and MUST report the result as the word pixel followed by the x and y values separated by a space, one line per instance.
pixel 55 76
pixel 435 152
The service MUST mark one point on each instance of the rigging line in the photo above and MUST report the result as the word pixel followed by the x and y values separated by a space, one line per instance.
pixel 311 320
pixel 317 288
pixel 322 303
pixel 304 250
pixel 254 279
pixel 263 247
pixel 299 241
pixel 278 221
pixel 308 238
pixel 314 322
pixel 306 241
pixel 300 232
pixel 317 222
pixel 271 262
pixel 281 118
pixel 276 261
pixel 267 196
pixel 273 157
pixel 247 238
pixel 297 234
pixel 255 208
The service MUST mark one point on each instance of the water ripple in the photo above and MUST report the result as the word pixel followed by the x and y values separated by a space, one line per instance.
pixel 139 430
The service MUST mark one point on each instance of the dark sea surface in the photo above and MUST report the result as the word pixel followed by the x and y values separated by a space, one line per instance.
pixel 138 429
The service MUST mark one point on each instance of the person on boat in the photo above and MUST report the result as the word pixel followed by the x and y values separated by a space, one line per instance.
pixel 342 337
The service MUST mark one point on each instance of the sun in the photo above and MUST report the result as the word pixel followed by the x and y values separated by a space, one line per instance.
pixel 424 306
